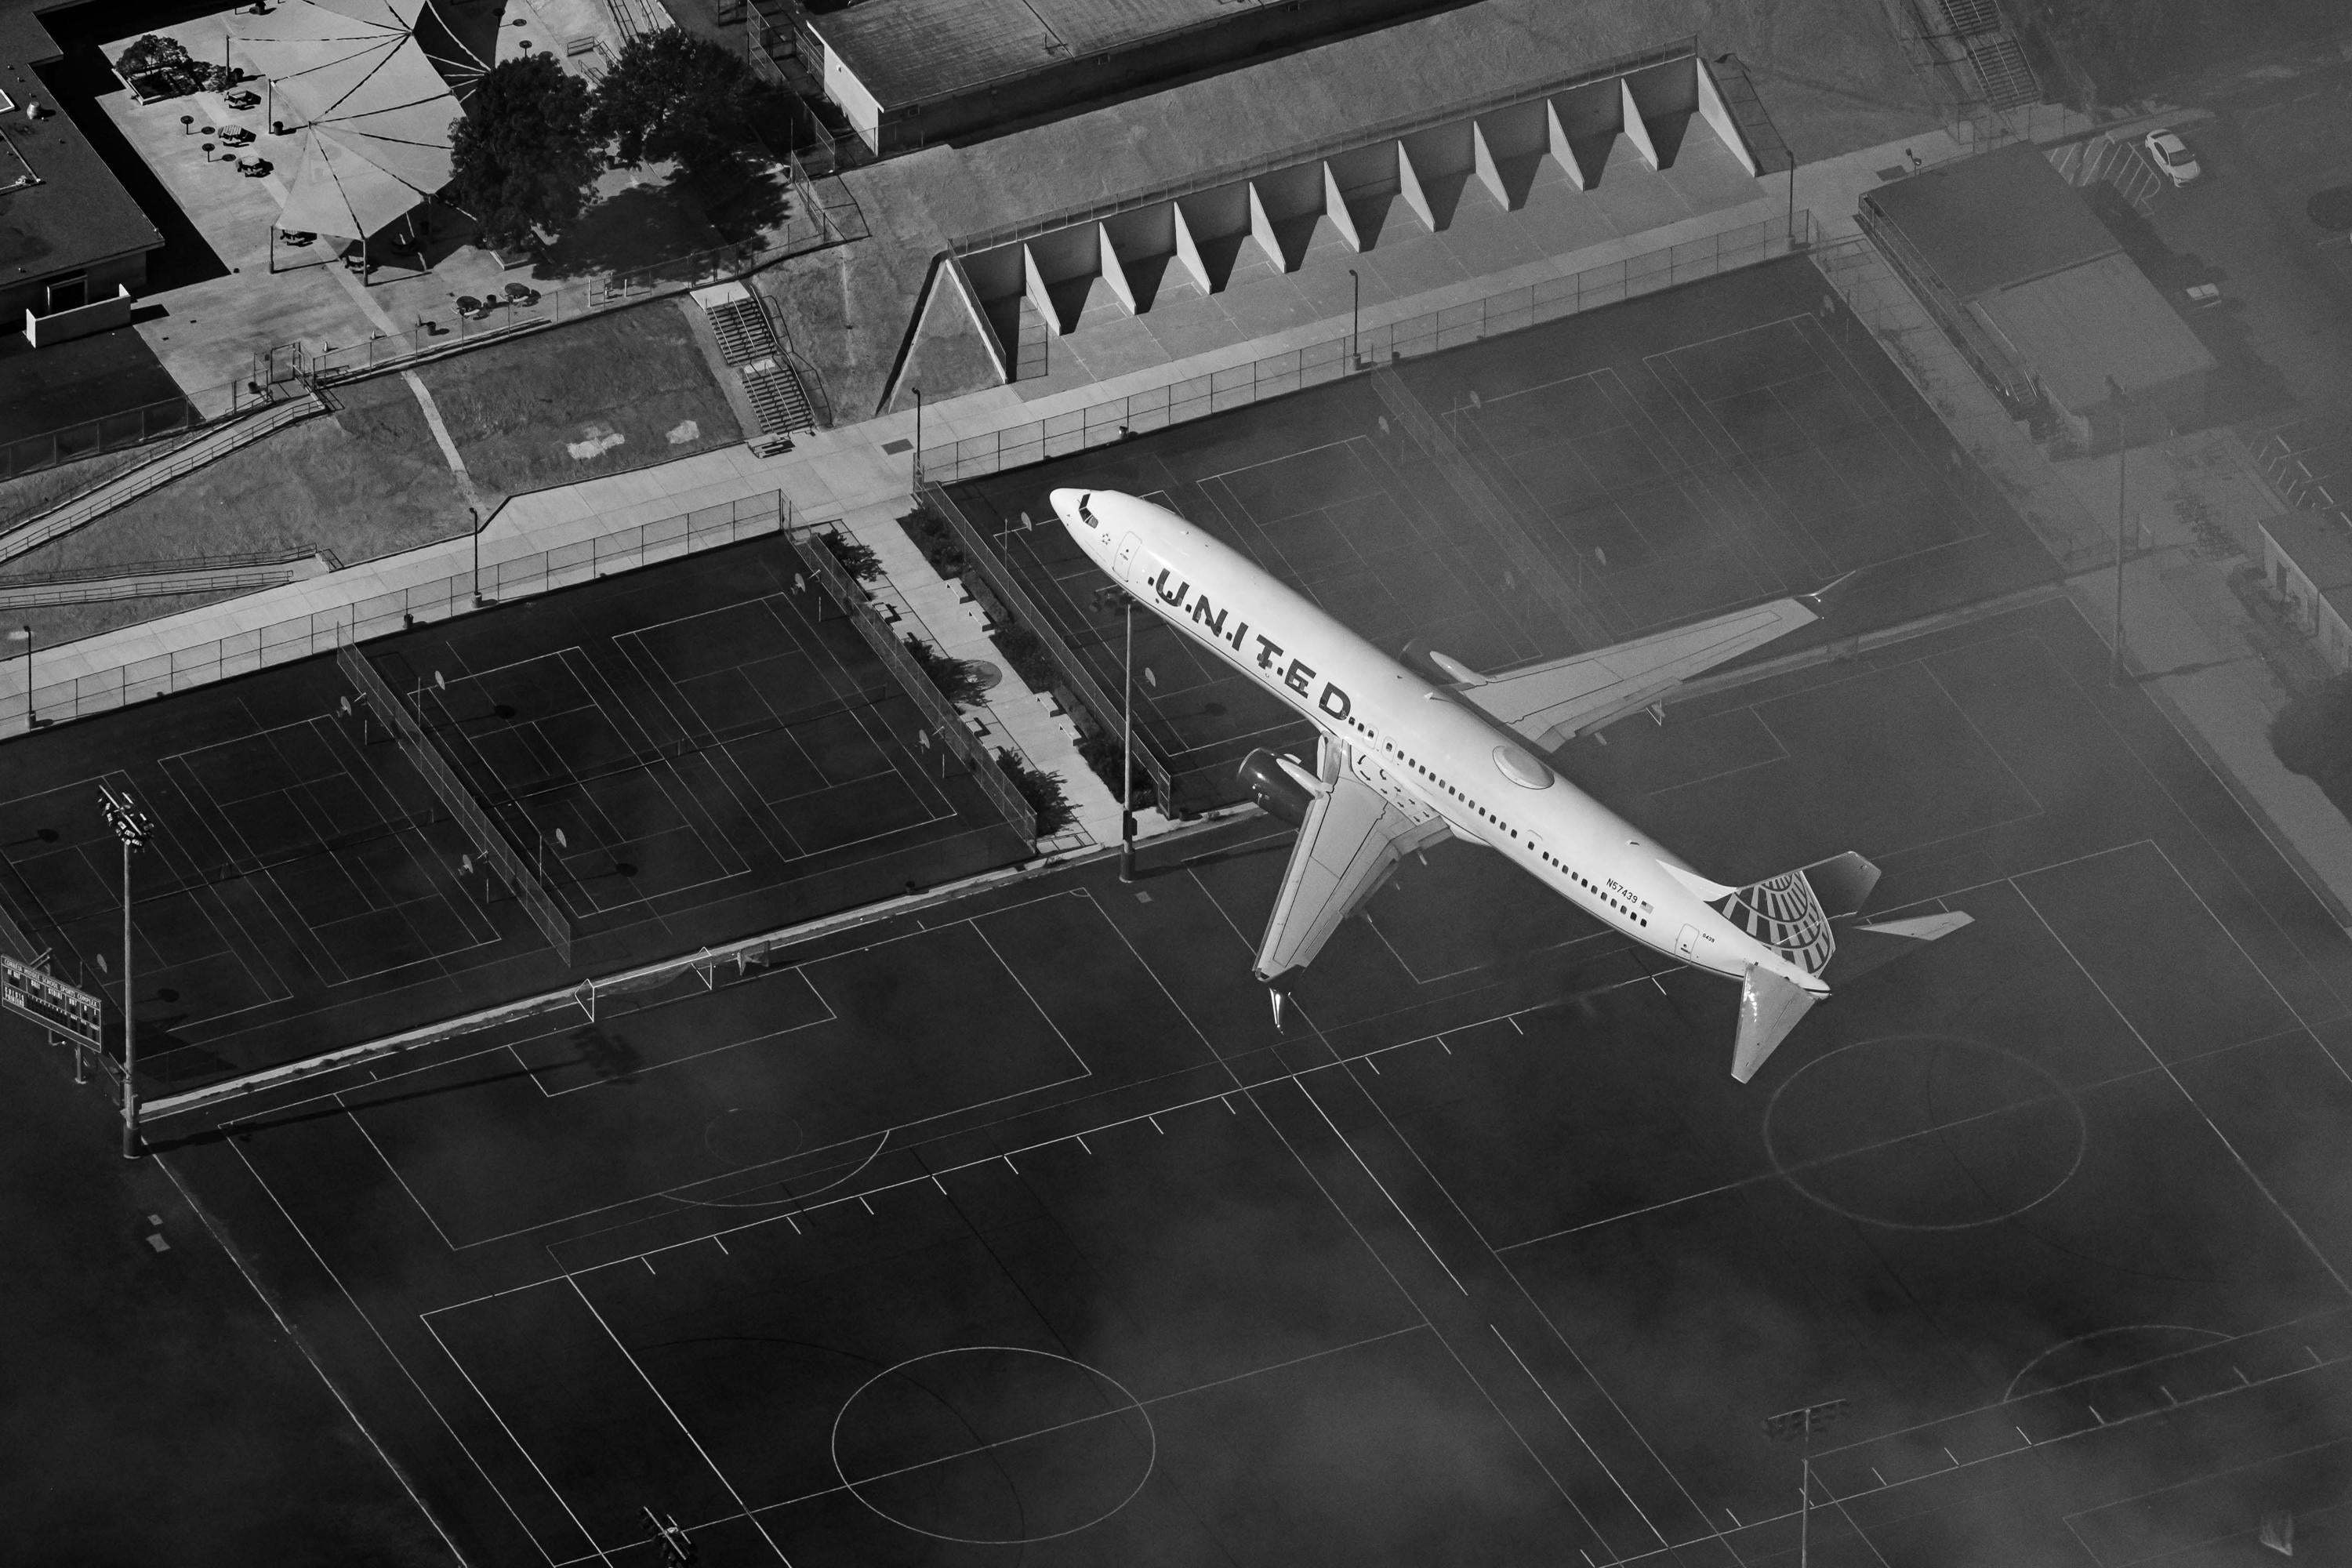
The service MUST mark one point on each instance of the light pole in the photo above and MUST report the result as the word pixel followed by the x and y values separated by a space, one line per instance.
pixel 1127 756
pixel 1355 320
pixel 2123 448
pixel 26 633
pixel 918 440
pixel 1801 1424
pixel 475 513
pixel 132 826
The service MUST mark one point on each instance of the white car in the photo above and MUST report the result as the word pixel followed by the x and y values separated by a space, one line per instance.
pixel 2169 153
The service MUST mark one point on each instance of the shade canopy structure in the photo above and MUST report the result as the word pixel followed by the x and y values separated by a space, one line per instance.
pixel 349 185
pixel 375 111
pixel 324 54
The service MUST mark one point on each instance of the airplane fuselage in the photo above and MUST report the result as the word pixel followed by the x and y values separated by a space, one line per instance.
pixel 1414 741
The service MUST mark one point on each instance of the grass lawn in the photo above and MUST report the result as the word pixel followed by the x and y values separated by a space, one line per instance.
pixel 598 397
pixel 368 481
pixel 618 391
pixel 44 488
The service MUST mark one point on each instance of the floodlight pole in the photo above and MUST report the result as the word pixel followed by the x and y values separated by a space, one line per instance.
pixel 129 1026
pixel 132 827
pixel 1127 755
pixel 475 513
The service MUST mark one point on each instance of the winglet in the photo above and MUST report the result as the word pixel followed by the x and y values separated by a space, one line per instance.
pixel 1770 1007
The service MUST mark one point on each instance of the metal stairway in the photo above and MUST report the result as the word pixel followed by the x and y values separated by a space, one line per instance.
pixel 749 344
pixel 2000 66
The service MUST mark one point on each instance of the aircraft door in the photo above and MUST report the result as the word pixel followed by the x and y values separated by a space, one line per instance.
pixel 1687 944
pixel 1127 549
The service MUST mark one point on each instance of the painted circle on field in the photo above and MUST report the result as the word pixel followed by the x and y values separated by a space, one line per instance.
pixel 744 1136
pixel 1924 1132
pixel 993 1445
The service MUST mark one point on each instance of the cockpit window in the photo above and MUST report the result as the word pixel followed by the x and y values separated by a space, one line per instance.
pixel 1084 511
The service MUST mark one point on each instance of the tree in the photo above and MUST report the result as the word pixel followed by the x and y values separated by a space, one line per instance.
pixel 151 52
pixel 2121 43
pixel 523 157
pixel 2313 734
pixel 671 94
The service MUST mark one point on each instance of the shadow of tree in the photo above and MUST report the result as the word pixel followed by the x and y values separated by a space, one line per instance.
pixel 609 1055
pixel 693 212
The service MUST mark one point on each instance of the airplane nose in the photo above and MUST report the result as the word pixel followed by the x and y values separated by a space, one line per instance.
pixel 1066 504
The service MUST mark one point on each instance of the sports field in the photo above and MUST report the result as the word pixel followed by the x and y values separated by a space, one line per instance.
pixel 1683 453
pixel 1012 1231
pixel 694 751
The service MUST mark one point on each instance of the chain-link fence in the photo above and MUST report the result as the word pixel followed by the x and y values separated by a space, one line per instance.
pixel 1238 387
pixel 436 599
pixel 945 723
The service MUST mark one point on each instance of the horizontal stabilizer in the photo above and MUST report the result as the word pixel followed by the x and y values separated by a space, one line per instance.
pixel 1863 948
pixel 1770 1007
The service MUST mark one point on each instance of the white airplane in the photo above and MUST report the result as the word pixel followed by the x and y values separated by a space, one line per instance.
pixel 1403 761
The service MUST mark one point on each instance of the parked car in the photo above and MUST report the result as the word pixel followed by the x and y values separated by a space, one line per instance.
pixel 253 168
pixel 236 136
pixel 242 100
pixel 2169 153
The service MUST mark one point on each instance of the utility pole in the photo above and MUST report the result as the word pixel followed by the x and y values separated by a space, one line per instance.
pixel 1801 1424
pixel 135 827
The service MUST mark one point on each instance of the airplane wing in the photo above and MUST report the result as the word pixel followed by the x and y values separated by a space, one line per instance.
pixel 1552 703
pixel 1348 844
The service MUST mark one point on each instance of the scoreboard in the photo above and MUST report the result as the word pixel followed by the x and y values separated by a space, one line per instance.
pixel 60 1008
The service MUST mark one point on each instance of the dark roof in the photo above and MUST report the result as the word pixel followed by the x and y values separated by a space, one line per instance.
pixel 79 213
pixel 1993 221
pixel 2318 547
pixel 911 52
pixel 2079 327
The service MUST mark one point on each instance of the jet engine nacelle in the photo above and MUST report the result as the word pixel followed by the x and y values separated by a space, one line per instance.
pixel 1276 784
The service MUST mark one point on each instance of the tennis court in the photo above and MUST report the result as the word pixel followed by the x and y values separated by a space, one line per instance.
pixel 673 757
pixel 1716 445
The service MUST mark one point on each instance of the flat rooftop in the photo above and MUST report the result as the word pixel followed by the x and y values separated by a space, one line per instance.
pixel 908 51
pixel 78 213
pixel 2080 326
pixel 1994 221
